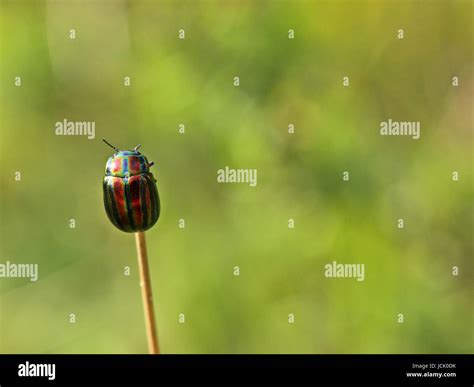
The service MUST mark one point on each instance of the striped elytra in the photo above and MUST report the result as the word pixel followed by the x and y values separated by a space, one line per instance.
pixel 131 197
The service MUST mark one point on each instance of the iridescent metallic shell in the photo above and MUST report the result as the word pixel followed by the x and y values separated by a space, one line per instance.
pixel 131 197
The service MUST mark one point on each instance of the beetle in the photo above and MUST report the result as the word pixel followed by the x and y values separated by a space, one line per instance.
pixel 131 198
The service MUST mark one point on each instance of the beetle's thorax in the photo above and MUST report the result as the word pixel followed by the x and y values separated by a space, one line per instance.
pixel 127 163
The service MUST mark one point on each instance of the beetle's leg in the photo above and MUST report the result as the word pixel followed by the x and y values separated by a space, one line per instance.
pixel 151 164
pixel 137 147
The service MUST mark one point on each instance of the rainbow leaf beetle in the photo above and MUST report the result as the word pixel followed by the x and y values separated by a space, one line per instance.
pixel 131 198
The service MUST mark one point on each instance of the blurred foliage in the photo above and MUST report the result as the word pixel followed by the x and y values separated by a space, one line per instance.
pixel 282 81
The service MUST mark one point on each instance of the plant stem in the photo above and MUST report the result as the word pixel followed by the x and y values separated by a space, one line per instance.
pixel 147 296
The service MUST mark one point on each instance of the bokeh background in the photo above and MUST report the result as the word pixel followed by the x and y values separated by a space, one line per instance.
pixel 282 82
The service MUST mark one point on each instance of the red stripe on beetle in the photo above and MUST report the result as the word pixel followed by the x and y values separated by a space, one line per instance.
pixel 135 182
pixel 148 198
pixel 119 195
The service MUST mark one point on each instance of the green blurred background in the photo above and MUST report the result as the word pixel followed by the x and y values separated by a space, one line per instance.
pixel 282 82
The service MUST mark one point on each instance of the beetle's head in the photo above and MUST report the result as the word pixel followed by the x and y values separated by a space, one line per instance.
pixel 125 163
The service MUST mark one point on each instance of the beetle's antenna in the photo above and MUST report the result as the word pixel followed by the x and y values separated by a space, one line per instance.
pixel 137 147
pixel 109 144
